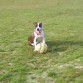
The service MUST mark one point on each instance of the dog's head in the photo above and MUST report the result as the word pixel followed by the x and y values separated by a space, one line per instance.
pixel 38 26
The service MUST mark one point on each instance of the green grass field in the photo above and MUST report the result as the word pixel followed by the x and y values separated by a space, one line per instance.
pixel 63 27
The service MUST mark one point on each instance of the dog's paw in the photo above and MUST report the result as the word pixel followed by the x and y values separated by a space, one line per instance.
pixel 34 50
pixel 32 44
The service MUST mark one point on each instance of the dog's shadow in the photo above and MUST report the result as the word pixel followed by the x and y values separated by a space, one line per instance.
pixel 61 46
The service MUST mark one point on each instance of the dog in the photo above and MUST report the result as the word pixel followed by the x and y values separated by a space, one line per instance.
pixel 37 35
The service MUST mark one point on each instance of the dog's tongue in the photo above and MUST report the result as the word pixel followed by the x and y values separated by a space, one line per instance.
pixel 38 32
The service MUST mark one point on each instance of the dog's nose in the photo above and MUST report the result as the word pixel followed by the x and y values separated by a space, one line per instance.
pixel 37 29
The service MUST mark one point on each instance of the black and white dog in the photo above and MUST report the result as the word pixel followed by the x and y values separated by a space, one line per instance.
pixel 37 35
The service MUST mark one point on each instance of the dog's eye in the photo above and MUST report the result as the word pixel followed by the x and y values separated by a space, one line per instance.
pixel 40 25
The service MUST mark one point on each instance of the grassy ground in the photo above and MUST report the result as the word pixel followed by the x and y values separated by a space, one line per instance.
pixel 63 27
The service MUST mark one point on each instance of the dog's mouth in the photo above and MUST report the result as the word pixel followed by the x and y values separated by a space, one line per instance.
pixel 38 32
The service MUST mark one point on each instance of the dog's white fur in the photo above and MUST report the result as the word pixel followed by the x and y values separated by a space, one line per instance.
pixel 38 37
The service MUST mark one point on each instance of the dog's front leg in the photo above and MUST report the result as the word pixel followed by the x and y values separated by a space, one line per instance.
pixel 35 44
pixel 44 40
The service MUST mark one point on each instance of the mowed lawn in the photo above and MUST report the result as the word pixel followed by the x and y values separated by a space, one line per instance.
pixel 63 27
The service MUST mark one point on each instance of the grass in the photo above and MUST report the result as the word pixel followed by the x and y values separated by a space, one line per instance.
pixel 63 27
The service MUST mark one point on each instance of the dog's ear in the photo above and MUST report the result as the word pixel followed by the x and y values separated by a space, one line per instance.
pixel 35 24
pixel 40 25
